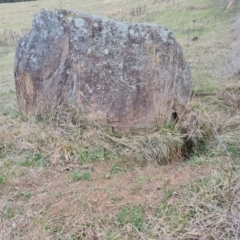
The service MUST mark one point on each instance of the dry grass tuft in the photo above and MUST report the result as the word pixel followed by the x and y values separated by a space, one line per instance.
pixel 59 133
pixel 197 130
pixel 9 38
pixel 210 203
pixel 71 137
pixel 196 127
pixel 232 64
pixel 161 147
pixel 229 124
pixel 68 136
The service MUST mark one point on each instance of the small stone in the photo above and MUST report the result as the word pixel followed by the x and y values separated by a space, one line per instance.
pixel 108 175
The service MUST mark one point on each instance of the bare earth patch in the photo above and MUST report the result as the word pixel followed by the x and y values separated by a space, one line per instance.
pixel 54 189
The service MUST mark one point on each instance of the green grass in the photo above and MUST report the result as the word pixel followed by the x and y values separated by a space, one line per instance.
pixel 167 193
pixel 37 160
pixel 174 216
pixel 198 160
pixel 200 184
pixel 80 176
pixel 88 155
pixel 141 179
pixel 2 179
pixel 8 211
pixel 234 151
pixel 131 215
pixel 115 169
pixel 187 22
pixel 25 195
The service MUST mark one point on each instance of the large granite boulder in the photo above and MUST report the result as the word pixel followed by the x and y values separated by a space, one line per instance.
pixel 120 74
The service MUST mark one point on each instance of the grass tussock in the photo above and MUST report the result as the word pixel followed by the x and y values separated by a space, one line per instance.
pixel 161 147
pixel 196 126
pixel 198 130
pixel 9 38
pixel 68 136
pixel 206 216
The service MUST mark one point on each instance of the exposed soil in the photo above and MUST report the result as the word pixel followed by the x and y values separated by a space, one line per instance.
pixel 55 190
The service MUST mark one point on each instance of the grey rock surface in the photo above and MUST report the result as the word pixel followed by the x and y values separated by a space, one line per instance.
pixel 123 75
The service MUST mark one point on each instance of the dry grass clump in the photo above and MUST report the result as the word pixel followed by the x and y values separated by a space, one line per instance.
pixel 71 137
pixel 63 115
pixel 161 147
pixel 232 64
pixel 9 38
pixel 196 126
pixel 68 135
pixel 229 124
pixel 227 115
pixel 60 144
pixel 197 129
pixel 215 217
pixel 232 102
pixel 201 211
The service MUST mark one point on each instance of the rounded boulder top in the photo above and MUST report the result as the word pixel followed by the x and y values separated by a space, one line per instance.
pixel 119 74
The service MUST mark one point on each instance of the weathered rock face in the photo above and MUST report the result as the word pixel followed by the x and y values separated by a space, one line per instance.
pixel 124 75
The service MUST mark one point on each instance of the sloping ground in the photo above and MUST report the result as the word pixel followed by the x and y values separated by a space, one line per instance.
pixel 60 181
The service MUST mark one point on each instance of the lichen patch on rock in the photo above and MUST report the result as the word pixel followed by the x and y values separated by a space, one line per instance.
pixel 123 75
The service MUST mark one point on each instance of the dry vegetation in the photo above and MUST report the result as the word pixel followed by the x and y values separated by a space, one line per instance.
pixel 66 178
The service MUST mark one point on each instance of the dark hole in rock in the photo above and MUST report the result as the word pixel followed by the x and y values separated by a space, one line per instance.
pixel 113 130
pixel 187 148
pixel 174 117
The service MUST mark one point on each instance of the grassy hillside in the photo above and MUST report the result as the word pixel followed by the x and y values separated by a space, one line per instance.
pixel 60 180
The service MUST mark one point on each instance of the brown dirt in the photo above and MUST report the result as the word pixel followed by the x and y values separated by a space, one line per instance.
pixel 54 190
